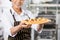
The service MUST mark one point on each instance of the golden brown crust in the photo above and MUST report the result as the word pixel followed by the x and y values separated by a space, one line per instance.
pixel 37 21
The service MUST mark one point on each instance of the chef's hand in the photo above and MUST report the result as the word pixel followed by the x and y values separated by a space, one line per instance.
pixel 23 25
pixel 40 26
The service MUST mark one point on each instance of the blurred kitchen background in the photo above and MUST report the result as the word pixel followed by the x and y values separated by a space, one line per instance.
pixel 41 8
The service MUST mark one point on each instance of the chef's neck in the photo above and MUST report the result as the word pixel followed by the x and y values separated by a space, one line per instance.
pixel 17 9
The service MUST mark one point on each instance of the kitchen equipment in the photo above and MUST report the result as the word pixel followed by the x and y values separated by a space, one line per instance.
pixel 40 1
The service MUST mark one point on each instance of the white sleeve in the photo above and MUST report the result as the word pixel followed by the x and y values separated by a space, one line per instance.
pixel 6 25
pixel 34 26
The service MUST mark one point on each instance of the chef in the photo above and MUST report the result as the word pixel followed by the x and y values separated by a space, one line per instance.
pixel 14 29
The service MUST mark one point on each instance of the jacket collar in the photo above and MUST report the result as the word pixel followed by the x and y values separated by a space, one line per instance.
pixel 13 12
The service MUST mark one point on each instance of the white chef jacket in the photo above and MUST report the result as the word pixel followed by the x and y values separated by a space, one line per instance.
pixel 8 21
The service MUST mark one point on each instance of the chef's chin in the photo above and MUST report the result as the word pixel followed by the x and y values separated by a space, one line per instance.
pixel 19 6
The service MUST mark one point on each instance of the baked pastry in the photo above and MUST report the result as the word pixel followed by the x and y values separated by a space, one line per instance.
pixel 37 21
